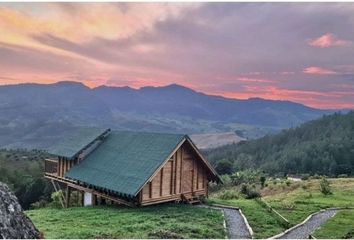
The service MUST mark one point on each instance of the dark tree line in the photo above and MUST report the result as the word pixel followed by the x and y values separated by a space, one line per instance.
pixel 22 171
pixel 324 146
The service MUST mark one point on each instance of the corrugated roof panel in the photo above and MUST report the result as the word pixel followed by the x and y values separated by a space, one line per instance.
pixel 125 160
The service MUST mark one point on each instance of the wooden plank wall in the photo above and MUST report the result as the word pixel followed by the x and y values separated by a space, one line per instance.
pixel 182 174
pixel 64 165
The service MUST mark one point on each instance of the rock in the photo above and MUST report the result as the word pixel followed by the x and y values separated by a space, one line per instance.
pixel 14 223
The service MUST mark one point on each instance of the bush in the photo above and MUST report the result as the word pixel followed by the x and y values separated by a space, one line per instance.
pixel 252 193
pixel 342 176
pixel 244 188
pixel 305 177
pixel 229 194
pixel 39 204
pixel 249 192
pixel 262 179
pixel 288 183
pixel 316 176
pixel 224 167
pixel 325 186
pixel 56 199
pixel 226 179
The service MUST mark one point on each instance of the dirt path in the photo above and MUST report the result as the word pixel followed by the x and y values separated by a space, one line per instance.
pixel 235 224
pixel 315 221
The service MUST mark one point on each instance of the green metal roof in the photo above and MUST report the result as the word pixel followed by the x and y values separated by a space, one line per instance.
pixel 75 141
pixel 125 161
pixel 61 141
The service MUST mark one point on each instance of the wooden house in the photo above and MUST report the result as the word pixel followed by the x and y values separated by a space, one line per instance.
pixel 130 168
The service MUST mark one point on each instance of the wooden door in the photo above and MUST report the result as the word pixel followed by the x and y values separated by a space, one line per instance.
pixel 187 175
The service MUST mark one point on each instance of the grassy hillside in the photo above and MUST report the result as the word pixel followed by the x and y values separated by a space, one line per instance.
pixel 165 221
pixel 324 146
pixel 295 201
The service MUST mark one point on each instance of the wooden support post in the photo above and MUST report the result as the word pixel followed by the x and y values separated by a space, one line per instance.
pixel 193 173
pixel 181 174
pixel 82 198
pixel 94 199
pixel 67 199
pixel 171 180
pixel 161 181
pixel 175 183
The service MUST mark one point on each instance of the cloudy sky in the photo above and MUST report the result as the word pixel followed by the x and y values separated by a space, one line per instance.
pixel 301 52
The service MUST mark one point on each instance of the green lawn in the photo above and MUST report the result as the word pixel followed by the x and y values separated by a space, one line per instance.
pixel 165 221
pixel 340 226
pixel 297 204
pixel 263 223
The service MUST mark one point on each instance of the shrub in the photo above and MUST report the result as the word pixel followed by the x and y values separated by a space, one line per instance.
pixel 305 177
pixel 262 179
pixel 39 204
pixel 325 186
pixel 224 167
pixel 288 183
pixel 244 188
pixel 226 179
pixel 56 199
pixel 342 176
pixel 249 192
pixel 229 194
pixel 252 193
pixel 316 176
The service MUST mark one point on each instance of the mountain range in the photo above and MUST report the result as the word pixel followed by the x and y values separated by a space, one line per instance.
pixel 29 110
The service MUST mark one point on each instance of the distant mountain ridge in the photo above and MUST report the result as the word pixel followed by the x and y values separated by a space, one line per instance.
pixel 25 108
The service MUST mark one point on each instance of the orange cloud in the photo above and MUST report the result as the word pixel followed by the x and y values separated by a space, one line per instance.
pixel 328 40
pixel 319 71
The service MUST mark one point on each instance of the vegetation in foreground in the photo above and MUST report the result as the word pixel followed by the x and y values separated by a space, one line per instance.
pixel 340 226
pixel 164 221
pixel 293 200
pixel 22 171
pixel 306 197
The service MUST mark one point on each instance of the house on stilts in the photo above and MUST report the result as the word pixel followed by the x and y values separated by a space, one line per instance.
pixel 129 168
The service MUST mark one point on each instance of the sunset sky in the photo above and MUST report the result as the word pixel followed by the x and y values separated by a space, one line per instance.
pixel 301 52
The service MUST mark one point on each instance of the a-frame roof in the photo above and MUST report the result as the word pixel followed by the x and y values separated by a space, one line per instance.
pixel 125 161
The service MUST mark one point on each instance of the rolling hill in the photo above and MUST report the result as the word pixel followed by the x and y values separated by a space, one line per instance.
pixel 322 146
pixel 28 110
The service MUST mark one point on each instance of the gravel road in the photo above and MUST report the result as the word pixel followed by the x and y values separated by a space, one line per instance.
pixel 303 231
pixel 236 226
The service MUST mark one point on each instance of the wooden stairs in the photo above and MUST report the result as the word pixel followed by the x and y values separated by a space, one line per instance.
pixel 190 199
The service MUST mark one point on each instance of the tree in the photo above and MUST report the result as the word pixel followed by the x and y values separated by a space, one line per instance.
pixel 262 179
pixel 224 167
pixel 325 186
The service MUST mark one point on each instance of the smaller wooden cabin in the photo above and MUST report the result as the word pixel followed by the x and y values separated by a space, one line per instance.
pixel 134 169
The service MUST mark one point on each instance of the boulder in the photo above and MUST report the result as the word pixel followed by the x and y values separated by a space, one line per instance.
pixel 14 223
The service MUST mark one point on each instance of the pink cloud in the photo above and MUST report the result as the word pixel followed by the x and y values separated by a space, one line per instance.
pixel 256 80
pixel 319 71
pixel 328 40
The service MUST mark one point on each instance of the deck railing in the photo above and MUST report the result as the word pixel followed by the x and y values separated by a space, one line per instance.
pixel 51 166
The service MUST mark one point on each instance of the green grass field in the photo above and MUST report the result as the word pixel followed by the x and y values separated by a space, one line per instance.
pixel 306 198
pixel 340 226
pixel 165 221
pixel 295 202
pixel 262 222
